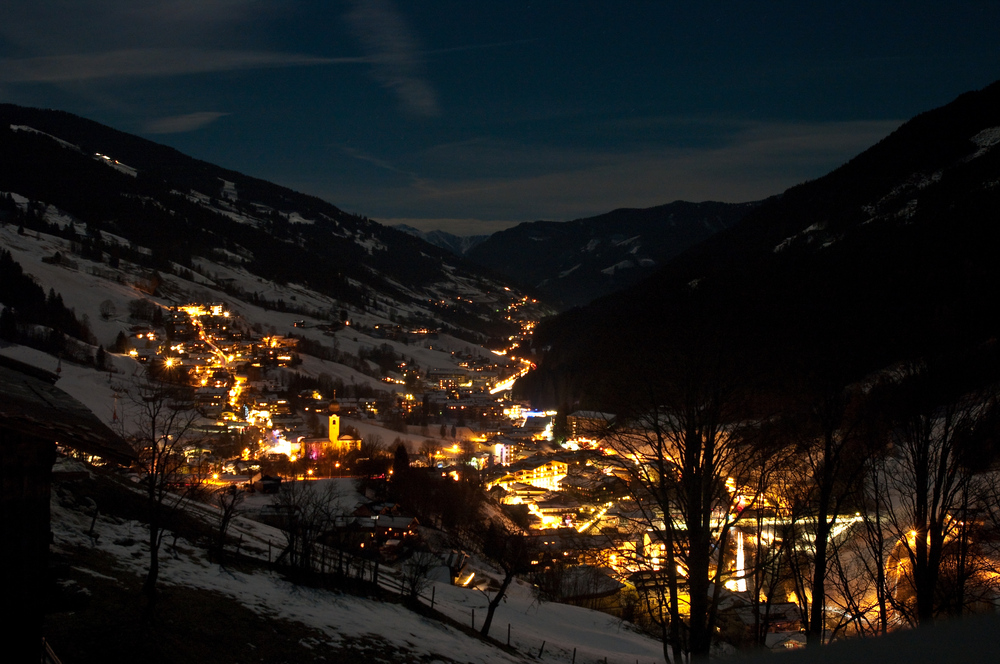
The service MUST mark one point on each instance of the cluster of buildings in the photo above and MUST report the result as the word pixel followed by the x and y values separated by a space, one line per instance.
pixel 593 539
pixel 573 497
pixel 226 369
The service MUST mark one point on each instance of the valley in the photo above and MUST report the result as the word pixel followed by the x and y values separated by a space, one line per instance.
pixel 720 427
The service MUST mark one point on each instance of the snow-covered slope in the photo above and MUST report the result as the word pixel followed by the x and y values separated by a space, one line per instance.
pixel 85 286
pixel 118 197
pixel 456 244
pixel 339 617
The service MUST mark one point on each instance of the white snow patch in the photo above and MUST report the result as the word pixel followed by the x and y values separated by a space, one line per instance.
pixel 622 265
pixel 229 190
pixel 229 255
pixel 20 200
pixel 593 635
pixel 118 166
pixel 787 242
pixel 370 243
pixel 986 139
pixel 65 144
pixel 784 244
pixel 296 218
pixel 566 273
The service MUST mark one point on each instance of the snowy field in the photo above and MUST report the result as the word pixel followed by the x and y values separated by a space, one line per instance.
pixel 595 636
pixel 84 291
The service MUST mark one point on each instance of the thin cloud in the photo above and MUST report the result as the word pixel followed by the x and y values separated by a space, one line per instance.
pixel 374 161
pixel 757 161
pixel 147 63
pixel 416 181
pixel 397 66
pixel 179 124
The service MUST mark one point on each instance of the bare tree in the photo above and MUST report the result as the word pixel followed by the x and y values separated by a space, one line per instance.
pixel 416 572
pixel 832 455
pixel 771 529
pixel 430 449
pixel 507 547
pixel 157 420
pixel 310 511
pixel 372 465
pixel 108 309
pixel 228 499
pixel 686 457
pixel 373 446
pixel 932 478
pixel 875 544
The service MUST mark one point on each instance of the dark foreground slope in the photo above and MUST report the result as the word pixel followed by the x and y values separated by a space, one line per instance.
pixel 891 257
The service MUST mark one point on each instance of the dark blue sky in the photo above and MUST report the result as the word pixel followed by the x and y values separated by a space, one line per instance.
pixel 472 116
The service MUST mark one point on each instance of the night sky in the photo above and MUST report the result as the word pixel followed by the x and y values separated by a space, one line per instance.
pixel 472 116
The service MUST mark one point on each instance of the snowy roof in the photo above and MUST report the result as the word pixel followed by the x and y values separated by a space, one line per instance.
pixel 592 415
pixel 31 404
pixel 584 581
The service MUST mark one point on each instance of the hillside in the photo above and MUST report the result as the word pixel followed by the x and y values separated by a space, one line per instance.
pixel 244 610
pixel 575 262
pixel 888 258
pixel 119 197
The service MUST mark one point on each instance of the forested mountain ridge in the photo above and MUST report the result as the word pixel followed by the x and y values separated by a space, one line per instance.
pixel 575 262
pixel 159 208
pixel 888 258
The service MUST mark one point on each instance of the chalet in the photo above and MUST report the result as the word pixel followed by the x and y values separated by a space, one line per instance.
pixel 594 485
pixel 524 493
pixel 36 418
pixel 584 582
pixel 267 484
pixel 388 527
pixel 588 423
pixel 448 378
pixel 558 508
pixel 538 471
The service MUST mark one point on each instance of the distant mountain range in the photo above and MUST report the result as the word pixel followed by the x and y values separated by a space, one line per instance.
pixel 571 263
pixel 456 244
pixel 177 208
pixel 891 257
pixel 574 262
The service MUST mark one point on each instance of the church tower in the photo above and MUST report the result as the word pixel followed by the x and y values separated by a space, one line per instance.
pixel 334 422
